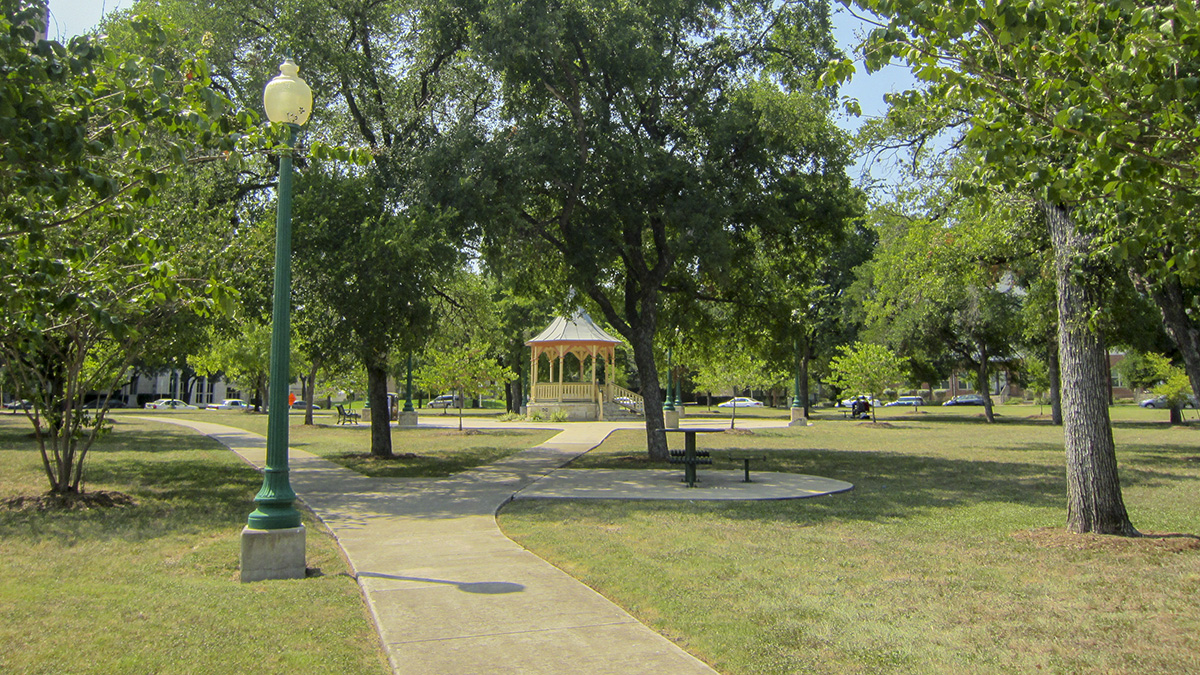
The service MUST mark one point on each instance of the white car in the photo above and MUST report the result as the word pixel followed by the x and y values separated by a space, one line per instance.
pixel 169 404
pixel 740 402
pixel 447 401
pixel 229 404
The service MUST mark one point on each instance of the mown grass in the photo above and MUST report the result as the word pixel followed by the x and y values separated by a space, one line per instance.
pixel 153 588
pixel 423 452
pixel 947 557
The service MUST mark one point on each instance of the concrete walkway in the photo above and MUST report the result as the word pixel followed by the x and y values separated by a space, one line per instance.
pixel 450 594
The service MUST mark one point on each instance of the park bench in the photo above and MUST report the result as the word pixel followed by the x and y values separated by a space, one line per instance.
pixel 745 460
pixel 345 417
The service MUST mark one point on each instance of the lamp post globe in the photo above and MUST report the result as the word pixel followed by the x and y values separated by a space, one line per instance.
pixel 288 100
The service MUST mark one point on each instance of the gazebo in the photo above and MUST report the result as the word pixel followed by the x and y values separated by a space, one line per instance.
pixel 572 393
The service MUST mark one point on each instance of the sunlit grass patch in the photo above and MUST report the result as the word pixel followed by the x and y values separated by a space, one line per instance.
pixel 153 587
pixel 947 557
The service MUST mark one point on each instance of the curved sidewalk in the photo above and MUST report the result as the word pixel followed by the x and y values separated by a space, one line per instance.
pixel 450 594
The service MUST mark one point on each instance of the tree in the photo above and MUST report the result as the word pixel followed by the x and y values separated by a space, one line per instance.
pixel 1046 86
pixel 945 293
pixel 866 368
pixel 469 371
pixel 1175 389
pixel 638 150
pixel 1141 371
pixel 92 132
pixel 730 368
pixel 373 266
pixel 243 356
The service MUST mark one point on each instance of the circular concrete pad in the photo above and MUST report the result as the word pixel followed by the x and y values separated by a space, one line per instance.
pixel 668 484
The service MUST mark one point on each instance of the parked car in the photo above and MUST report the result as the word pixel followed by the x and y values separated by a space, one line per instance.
pixel 740 402
pixel 446 401
pixel 1161 402
pixel 907 400
pixel 17 405
pixel 300 405
pixel 966 399
pixel 169 404
pixel 229 404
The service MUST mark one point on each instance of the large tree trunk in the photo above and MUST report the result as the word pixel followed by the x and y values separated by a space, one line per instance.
pixel 638 327
pixel 381 424
pixel 985 387
pixel 652 395
pixel 1055 376
pixel 1094 502
pixel 310 393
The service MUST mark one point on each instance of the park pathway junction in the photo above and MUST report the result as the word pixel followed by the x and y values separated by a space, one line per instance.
pixel 451 595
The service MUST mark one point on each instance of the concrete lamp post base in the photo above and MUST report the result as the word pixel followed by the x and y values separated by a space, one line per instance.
pixel 798 418
pixel 406 419
pixel 671 419
pixel 272 554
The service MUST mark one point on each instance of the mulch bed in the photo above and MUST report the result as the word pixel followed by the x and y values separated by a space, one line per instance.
pixel 82 501
pixel 1057 537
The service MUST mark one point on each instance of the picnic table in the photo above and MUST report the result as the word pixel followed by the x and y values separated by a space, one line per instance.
pixel 689 457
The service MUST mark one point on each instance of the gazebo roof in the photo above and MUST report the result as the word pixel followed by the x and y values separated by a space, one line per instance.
pixel 579 329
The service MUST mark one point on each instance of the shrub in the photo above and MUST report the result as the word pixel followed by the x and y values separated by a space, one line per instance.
pixel 558 416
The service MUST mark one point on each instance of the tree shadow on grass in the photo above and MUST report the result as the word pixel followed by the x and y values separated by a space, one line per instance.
pixel 170 496
pixel 887 486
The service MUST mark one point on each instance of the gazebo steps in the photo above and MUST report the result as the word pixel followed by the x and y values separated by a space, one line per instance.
pixel 616 413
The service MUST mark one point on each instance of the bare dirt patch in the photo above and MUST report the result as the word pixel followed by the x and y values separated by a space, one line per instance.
pixel 464 432
pixel 739 432
pixel 1057 537
pixel 78 501
pixel 877 425
pixel 369 456
pixel 633 459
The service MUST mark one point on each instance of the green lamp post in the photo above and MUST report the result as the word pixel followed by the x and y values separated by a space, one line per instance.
pixel 679 391
pixel 796 401
pixel 667 405
pixel 408 406
pixel 288 100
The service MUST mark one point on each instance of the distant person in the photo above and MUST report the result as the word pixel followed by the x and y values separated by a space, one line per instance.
pixel 861 409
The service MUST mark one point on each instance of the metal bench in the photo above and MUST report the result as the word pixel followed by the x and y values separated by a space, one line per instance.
pixel 745 460
pixel 345 417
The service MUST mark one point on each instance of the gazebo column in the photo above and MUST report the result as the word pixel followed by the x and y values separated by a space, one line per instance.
pixel 608 370
pixel 533 378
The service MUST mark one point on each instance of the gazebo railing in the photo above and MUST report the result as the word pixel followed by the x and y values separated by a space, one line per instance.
pixel 628 400
pixel 566 391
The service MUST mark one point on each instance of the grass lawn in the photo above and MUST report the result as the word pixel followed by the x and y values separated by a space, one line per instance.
pixel 152 588
pixel 947 557
pixel 422 452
